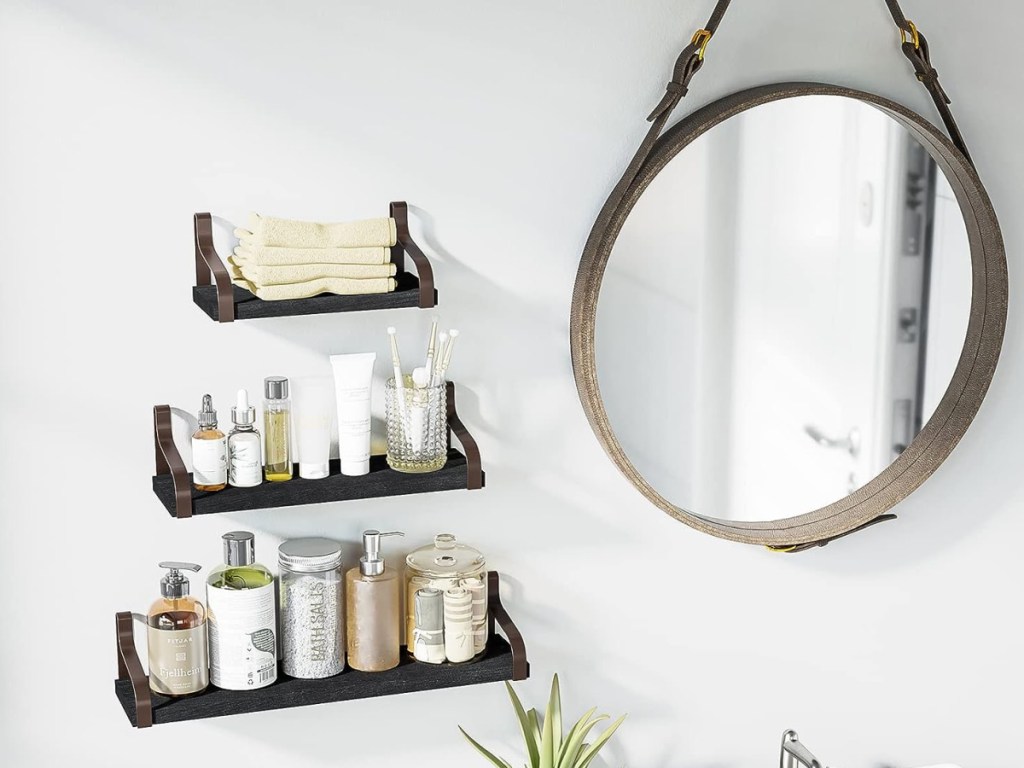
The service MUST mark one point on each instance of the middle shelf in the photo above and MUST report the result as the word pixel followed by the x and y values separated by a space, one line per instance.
pixel 172 482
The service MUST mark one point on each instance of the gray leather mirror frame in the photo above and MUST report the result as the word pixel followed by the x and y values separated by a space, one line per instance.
pixel 955 411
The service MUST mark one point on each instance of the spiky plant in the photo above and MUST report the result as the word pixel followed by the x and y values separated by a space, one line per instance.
pixel 546 745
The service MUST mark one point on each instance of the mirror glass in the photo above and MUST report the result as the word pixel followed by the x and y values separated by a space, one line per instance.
pixel 783 309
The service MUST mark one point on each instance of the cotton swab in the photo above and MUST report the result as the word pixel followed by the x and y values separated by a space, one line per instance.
pixel 431 346
pixel 399 380
pixel 442 341
pixel 447 358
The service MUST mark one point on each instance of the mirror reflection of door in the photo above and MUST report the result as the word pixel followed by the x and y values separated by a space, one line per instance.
pixel 783 309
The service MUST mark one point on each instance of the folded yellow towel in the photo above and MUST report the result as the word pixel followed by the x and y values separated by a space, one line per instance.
pixel 341 286
pixel 303 273
pixel 267 230
pixel 276 256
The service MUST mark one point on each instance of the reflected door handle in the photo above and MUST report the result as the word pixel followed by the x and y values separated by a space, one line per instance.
pixel 850 443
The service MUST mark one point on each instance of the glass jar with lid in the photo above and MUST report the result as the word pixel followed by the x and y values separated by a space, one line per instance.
pixel 448 565
pixel 312 608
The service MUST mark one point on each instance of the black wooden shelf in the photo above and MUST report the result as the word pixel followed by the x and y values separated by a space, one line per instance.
pixel 503 660
pixel 225 302
pixel 172 483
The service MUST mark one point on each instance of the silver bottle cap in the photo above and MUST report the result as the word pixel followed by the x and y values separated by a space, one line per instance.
pixel 243 414
pixel 275 388
pixel 239 548
pixel 371 563
pixel 207 415
pixel 174 585
pixel 310 555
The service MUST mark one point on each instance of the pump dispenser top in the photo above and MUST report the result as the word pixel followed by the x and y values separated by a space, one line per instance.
pixel 371 563
pixel 174 584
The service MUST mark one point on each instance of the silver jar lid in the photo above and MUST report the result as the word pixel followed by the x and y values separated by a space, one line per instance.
pixel 310 555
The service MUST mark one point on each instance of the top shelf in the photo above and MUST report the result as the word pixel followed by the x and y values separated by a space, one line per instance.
pixel 225 302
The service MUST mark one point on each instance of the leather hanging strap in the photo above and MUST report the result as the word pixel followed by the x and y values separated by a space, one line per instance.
pixel 914 47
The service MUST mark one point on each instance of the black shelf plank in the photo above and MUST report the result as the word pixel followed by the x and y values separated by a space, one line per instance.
pixel 248 307
pixel 381 481
pixel 408 677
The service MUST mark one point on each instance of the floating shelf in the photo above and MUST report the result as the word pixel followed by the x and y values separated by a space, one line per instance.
pixel 503 660
pixel 172 483
pixel 226 302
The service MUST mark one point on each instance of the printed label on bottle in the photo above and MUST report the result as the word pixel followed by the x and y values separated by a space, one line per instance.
pixel 246 468
pixel 178 662
pixel 209 461
pixel 243 644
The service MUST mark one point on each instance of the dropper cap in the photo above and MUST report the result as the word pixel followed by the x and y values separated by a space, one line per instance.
pixel 174 585
pixel 371 563
pixel 243 414
pixel 207 415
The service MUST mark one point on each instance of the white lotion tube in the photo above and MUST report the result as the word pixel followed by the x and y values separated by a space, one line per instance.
pixel 353 379
pixel 312 414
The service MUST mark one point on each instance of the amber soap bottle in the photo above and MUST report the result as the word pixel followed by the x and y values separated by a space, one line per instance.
pixel 372 612
pixel 176 637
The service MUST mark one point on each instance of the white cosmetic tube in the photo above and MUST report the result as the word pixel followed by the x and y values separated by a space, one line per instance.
pixel 313 414
pixel 353 378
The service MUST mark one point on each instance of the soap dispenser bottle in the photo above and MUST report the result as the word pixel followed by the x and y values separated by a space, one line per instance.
pixel 372 613
pixel 176 637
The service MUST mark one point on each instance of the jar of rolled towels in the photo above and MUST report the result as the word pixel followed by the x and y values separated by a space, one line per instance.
pixel 298 417
pixel 278 259
pixel 323 614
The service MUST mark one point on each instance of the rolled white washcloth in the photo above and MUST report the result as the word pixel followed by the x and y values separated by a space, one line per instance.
pixel 458 624
pixel 280 256
pixel 303 273
pixel 340 286
pixel 478 589
pixel 268 230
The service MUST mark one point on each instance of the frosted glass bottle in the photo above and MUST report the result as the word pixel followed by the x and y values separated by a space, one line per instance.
pixel 445 565
pixel 373 615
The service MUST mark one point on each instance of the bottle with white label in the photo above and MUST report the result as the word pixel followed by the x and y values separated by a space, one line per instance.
pixel 209 451
pixel 176 637
pixel 243 618
pixel 246 466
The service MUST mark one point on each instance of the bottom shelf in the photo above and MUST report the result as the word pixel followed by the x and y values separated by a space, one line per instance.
pixel 503 660
pixel 408 677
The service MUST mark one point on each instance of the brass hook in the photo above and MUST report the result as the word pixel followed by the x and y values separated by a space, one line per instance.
pixel 913 34
pixel 700 39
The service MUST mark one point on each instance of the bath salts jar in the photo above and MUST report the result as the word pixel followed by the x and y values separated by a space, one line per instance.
pixel 417 428
pixel 312 608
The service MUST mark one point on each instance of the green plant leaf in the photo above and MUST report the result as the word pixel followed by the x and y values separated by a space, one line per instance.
pixel 547 744
pixel 534 719
pixel 574 740
pixel 591 751
pixel 556 718
pixel 497 761
pixel 531 734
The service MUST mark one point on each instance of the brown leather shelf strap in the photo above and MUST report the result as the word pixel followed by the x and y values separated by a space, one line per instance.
pixel 168 460
pixel 208 263
pixel 425 273
pixel 130 668
pixel 474 466
pixel 520 664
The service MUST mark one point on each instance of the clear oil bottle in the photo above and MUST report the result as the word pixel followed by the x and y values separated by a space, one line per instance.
pixel 277 429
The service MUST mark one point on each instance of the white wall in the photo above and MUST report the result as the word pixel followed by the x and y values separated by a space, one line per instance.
pixel 505 126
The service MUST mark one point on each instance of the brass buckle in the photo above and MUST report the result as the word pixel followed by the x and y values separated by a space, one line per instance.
pixel 915 38
pixel 700 39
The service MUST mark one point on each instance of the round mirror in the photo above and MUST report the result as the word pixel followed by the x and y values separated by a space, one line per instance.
pixel 784 309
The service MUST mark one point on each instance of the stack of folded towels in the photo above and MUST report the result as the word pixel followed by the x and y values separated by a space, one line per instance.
pixel 284 259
